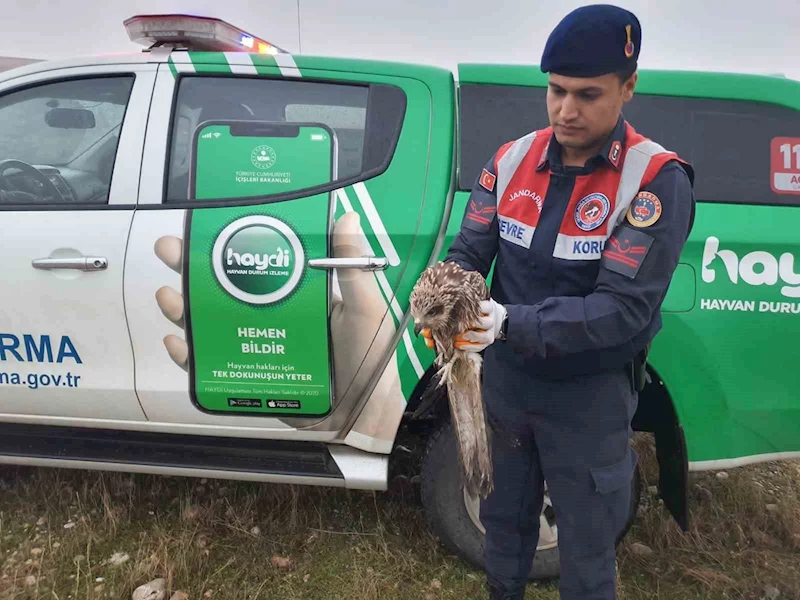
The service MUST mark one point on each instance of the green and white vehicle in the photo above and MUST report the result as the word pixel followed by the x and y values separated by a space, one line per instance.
pixel 151 323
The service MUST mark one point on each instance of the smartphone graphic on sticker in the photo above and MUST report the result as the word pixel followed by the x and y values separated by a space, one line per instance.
pixel 256 316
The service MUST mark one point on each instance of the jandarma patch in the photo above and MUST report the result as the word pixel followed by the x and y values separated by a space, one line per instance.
pixel 591 211
pixel 644 210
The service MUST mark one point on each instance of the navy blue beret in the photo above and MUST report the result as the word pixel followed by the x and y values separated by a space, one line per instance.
pixel 592 41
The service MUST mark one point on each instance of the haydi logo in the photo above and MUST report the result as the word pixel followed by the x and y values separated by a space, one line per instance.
pixel 755 268
pixel 259 261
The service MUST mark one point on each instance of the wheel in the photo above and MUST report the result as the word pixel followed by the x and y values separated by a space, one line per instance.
pixel 452 514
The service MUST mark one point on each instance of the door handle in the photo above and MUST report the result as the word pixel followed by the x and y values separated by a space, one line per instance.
pixel 82 263
pixel 365 263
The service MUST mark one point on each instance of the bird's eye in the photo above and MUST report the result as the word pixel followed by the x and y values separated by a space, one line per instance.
pixel 436 311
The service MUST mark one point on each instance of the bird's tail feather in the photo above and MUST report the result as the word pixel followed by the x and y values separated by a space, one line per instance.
pixel 485 481
pixel 462 376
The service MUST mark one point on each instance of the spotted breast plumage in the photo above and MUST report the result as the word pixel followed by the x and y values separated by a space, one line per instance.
pixel 446 301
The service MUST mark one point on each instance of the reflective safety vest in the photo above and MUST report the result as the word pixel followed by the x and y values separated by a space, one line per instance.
pixel 599 200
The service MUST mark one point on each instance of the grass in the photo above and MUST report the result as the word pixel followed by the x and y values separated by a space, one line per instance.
pixel 237 540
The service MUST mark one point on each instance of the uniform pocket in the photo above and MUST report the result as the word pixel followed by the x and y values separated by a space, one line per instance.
pixel 610 478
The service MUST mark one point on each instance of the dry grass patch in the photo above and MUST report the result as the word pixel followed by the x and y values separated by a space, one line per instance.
pixel 744 534
pixel 66 535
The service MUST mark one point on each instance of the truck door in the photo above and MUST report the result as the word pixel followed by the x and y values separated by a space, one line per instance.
pixel 70 152
pixel 394 133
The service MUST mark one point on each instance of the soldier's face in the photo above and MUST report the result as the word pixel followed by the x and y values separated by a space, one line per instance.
pixel 583 111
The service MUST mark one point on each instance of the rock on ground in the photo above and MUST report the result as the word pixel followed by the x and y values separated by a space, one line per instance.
pixel 639 549
pixel 118 558
pixel 155 590
pixel 771 592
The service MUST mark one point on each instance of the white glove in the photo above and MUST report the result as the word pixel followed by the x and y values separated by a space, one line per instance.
pixel 485 331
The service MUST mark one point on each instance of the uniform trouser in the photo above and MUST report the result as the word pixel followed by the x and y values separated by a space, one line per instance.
pixel 575 434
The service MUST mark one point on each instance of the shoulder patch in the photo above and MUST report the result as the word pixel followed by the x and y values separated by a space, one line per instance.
pixel 487 180
pixel 625 251
pixel 644 210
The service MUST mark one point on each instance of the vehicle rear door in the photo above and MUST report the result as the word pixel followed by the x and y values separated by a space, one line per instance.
pixel 70 152
pixel 394 126
pixel 727 350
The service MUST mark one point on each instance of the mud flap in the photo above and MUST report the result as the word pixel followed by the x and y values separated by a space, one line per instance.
pixel 673 474
pixel 656 414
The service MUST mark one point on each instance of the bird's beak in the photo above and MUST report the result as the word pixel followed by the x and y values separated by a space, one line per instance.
pixel 417 328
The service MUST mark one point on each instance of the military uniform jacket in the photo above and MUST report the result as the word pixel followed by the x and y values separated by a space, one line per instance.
pixel 584 255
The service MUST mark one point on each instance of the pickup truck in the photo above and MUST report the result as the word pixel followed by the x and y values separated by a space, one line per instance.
pixel 149 327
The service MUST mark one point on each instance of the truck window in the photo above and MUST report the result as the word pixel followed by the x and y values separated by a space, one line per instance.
pixel 366 119
pixel 58 141
pixel 727 141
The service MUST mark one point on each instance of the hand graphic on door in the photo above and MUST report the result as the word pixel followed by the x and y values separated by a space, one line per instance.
pixel 356 315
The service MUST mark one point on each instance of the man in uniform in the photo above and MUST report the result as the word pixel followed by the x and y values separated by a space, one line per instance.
pixel 586 220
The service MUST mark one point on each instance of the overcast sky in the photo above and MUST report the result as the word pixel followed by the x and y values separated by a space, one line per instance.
pixel 732 35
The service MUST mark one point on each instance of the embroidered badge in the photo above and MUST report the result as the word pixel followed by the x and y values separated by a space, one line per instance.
pixel 482 215
pixel 591 211
pixel 644 210
pixel 625 251
pixel 614 153
pixel 487 180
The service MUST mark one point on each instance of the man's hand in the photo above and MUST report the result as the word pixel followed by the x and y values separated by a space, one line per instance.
pixel 481 334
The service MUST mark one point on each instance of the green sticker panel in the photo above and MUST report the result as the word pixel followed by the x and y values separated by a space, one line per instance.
pixel 257 316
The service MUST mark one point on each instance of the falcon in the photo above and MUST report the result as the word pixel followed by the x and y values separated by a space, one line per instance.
pixel 446 301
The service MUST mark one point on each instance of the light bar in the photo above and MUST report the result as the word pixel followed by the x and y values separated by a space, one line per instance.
pixel 195 33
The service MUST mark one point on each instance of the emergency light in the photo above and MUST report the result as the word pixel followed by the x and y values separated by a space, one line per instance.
pixel 194 33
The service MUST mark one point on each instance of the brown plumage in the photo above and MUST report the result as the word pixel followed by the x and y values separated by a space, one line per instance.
pixel 446 299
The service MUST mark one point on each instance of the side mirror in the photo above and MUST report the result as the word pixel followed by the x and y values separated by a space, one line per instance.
pixel 70 118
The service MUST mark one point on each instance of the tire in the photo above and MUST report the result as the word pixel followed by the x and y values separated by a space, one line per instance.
pixel 456 524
